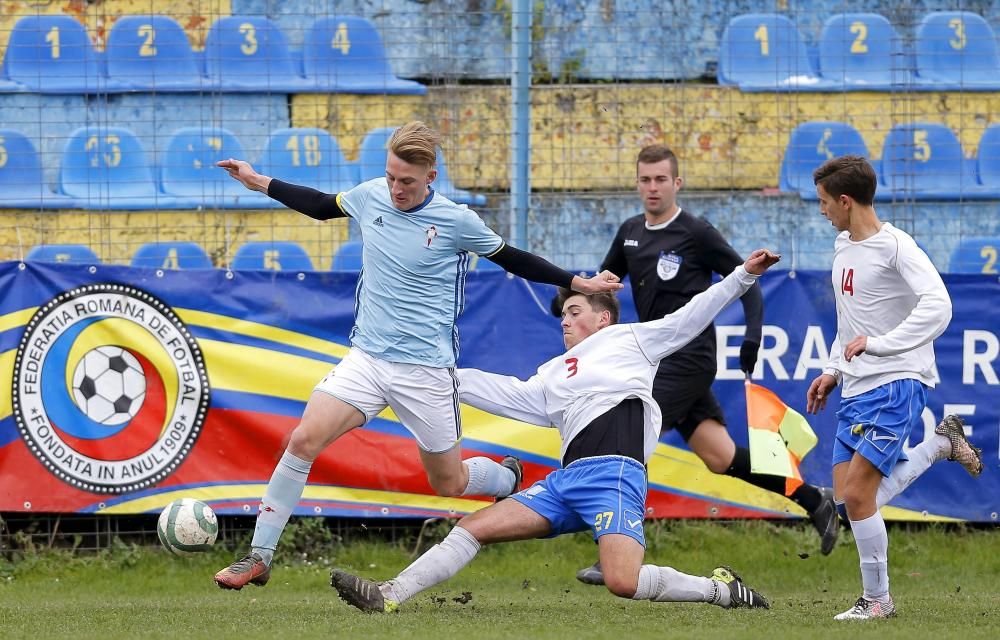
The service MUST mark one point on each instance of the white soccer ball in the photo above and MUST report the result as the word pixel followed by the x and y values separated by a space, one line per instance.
pixel 187 526
pixel 109 385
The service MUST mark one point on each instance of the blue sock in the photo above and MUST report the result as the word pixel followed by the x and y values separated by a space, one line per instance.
pixel 283 493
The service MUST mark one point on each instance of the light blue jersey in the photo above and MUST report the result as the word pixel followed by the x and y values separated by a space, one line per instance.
pixel 412 285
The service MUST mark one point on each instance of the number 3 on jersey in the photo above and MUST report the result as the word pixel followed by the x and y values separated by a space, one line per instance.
pixel 572 366
pixel 847 282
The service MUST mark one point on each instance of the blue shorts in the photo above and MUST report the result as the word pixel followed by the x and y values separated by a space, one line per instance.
pixel 877 423
pixel 606 494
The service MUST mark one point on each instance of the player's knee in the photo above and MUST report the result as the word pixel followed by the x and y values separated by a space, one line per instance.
pixel 303 443
pixel 716 464
pixel 621 586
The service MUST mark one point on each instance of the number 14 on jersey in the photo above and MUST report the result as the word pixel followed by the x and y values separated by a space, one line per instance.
pixel 847 282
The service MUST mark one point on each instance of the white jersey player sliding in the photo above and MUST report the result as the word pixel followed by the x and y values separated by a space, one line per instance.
pixel 598 394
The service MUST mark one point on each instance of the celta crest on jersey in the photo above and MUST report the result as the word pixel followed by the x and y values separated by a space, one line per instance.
pixel 668 265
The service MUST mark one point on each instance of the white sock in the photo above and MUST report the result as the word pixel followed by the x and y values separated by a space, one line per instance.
pixel 488 478
pixel 922 456
pixel 436 565
pixel 664 584
pixel 873 549
pixel 283 493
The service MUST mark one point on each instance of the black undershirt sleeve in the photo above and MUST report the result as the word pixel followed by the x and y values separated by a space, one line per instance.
pixel 529 266
pixel 723 259
pixel 614 261
pixel 313 203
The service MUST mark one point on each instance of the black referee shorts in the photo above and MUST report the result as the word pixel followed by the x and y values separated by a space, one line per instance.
pixel 686 400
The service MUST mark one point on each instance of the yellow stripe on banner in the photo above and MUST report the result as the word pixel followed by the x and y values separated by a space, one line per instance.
pixel 511 434
pixel 262 331
pixel 16 318
pixel 254 370
pixel 6 373
pixel 252 493
pixel 896 513
pixel 684 471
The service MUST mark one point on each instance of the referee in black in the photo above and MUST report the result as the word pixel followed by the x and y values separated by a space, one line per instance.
pixel 669 255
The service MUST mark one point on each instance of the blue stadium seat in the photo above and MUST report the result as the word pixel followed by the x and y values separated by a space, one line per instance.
pixel 272 256
pixel 53 54
pixel 957 50
pixel 76 253
pixel 988 159
pixel 344 54
pixel 765 52
pixel 151 53
pixel 22 184
pixel 348 256
pixel 250 54
pixel 862 51
pixel 188 170
pixel 810 145
pixel 924 161
pixel 976 255
pixel 171 255
pixel 309 157
pixel 107 168
pixel 371 162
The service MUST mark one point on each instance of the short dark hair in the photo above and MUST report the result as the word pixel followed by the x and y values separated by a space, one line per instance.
pixel 603 301
pixel 848 176
pixel 658 153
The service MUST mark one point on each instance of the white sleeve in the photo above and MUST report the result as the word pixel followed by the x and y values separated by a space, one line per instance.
pixel 929 318
pixel 504 396
pixel 832 367
pixel 659 338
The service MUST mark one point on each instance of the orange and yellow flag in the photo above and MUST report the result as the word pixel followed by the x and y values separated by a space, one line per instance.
pixel 779 436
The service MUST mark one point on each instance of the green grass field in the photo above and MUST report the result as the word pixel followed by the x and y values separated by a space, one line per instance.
pixel 943 580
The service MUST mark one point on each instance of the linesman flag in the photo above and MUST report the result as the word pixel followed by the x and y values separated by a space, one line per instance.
pixel 779 436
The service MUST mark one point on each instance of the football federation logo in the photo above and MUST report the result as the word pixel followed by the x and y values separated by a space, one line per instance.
pixel 110 389
pixel 668 265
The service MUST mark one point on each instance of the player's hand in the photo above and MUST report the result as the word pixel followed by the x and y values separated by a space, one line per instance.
pixel 818 392
pixel 855 347
pixel 245 175
pixel 604 281
pixel 748 355
pixel 760 260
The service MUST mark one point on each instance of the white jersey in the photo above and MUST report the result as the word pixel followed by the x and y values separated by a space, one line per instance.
pixel 886 289
pixel 612 365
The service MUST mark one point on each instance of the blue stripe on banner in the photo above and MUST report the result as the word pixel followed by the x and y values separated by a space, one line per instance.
pixel 10 338
pixel 256 402
pixel 250 341
pixel 8 431
pixel 111 501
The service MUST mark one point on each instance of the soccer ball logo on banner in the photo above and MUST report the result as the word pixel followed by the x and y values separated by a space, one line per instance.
pixel 110 389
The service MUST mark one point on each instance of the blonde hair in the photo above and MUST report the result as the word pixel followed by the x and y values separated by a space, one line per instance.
pixel 415 143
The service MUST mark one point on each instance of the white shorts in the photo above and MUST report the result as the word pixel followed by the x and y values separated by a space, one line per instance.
pixel 425 399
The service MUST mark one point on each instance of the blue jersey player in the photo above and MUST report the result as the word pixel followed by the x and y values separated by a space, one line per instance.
pixel 599 396
pixel 404 342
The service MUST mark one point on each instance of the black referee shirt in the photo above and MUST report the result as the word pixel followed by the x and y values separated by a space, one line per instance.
pixel 667 267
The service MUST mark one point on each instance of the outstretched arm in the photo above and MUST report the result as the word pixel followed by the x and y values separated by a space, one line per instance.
pixel 504 396
pixel 313 203
pixel 660 338
pixel 531 267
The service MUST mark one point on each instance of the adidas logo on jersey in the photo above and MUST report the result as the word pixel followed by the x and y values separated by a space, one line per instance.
pixel 631 243
pixel 378 222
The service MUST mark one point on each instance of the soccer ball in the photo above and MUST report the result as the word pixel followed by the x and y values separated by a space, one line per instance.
pixel 187 526
pixel 109 385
